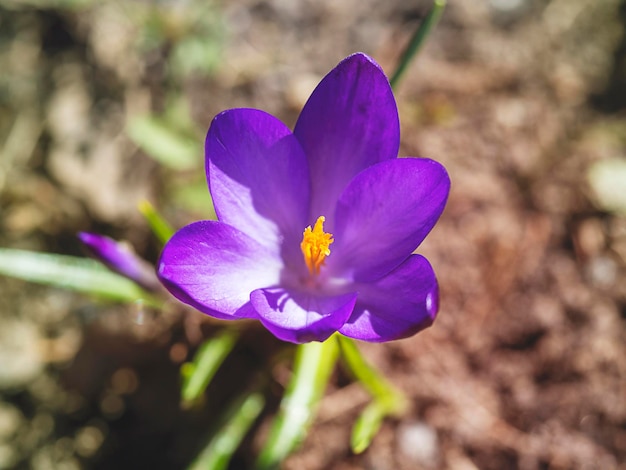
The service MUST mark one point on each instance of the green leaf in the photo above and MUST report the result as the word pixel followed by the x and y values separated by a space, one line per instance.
pixel 69 272
pixel 313 365
pixel 162 143
pixel 198 374
pixel 608 181
pixel 237 421
pixel 160 227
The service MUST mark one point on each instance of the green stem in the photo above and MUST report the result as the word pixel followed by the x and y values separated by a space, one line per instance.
pixel 418 39
pixel 313 365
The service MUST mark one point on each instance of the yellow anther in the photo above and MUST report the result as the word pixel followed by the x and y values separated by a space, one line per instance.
pixel 314 246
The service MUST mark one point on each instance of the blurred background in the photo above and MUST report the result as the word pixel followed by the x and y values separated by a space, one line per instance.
pixel 106 103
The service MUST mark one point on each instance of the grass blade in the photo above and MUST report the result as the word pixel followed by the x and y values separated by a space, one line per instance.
pixel 237 421
pixel 159 226
pixel 417 40
pixel 198 374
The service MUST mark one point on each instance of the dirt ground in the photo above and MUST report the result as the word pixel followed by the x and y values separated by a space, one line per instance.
pixel 525 367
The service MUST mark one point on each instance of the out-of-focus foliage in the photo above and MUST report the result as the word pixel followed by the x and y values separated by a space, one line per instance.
pixel 172 139
pixel 192 30
pixel 75 70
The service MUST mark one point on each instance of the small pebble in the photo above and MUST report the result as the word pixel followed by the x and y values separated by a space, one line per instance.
pixel 602 271
pixel 419 442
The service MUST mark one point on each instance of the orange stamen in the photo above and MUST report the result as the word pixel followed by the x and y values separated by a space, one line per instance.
pixel 314 246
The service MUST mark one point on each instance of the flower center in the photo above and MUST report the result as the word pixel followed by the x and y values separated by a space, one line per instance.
pixel 314 246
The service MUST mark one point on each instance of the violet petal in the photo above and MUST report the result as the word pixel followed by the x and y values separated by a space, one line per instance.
pixel 301 317
pixel 214 267
pixel 350 122
pixel 397 306
pixel 384 214
pixel 120 258
pixel 258 177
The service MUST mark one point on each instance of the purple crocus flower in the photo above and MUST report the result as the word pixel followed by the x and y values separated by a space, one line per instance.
pixel 120 258
pixel 317 226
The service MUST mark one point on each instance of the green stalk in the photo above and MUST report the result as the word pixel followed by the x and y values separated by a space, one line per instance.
pixel 313 365
pixel 418 39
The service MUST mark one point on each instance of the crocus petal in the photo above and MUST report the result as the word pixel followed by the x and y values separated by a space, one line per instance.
pixel 301 317
pixel 384 214
pixel 214 267
pixel 120 258
pixel 258 176
pixel 350 122
pixel 397 306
